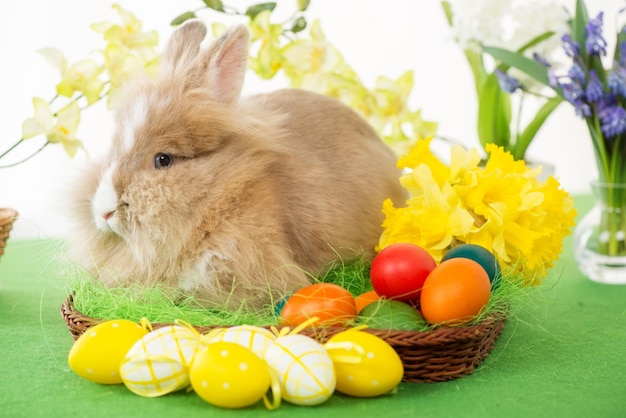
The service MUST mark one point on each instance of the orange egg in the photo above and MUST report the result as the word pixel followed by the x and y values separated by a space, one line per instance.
pixel 455 292
pixel 330 303
pixel 365 299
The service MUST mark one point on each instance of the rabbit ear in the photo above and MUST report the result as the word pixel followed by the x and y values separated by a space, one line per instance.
pixel 225 63
pixel 183 46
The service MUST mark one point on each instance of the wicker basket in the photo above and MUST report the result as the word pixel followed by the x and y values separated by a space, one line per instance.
pixel 7 217
pixel 432 356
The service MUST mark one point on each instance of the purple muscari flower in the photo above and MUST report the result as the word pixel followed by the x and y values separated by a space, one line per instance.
pixel 553 79
pixel 576 73
pixel 622 51
pixel 571 47
pixel 613 121
pixel 616 80
pixel 541 60
pixel 595 88
pixel 507 83
pixel 573 93
pixel 595 42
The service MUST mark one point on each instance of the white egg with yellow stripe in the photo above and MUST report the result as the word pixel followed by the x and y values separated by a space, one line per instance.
pixel 255 339
pixel 158 363
pixel 304 369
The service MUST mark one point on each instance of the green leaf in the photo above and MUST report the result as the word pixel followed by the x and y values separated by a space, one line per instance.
pixel 526 137
pixel 579 24
pixel 475 61
pixel 214 4
pixel 447 10
pixel 494 114
pixel 519 61
pixel 179 20
pixel 621 38
pixel 535 41
pixel 298 25
pixel 303 5
pixel 254 10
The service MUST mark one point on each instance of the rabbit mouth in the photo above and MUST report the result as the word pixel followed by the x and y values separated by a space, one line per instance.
pixel 107 222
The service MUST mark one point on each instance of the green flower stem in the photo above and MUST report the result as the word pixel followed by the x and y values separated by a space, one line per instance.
pixel 518 149
pixel 11 148
pixel 25 159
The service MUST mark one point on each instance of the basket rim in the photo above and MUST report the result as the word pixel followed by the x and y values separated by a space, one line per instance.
pixel 77 322
pixel 436 355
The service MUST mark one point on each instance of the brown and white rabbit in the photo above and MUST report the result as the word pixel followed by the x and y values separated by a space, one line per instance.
pixel 235 201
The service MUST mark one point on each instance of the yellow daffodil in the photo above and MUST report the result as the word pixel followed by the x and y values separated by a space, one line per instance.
pixel 501 206
pixel 420 154
pixel 62 130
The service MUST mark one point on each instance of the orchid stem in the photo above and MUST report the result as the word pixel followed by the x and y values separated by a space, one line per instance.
pixel 25 159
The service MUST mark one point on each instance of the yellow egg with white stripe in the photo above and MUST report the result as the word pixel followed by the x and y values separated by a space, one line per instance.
pixel 304 369
pixel 255 339
pixel 159 363
pixel 98 352
pixel 377 370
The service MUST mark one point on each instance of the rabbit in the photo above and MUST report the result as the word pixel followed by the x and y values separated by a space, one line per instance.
pixel 235 201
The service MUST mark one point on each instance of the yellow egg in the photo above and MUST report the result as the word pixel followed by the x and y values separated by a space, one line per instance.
pixel 256 339
pixel 227 375
pixel 97 353
pixel 379 370
pixel 159 363
pixel 304 369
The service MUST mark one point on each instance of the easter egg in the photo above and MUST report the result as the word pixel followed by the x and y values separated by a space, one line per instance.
pixel 455 292
pixel 391 314
pixel 481 255
pixel 278 308
pixel 159 363
pixel 304 369
pixel 97 353
pixel 399 271
pixel 256 339
pixel 365 299
pixel 379 370
pixel 228 375
pixel 330 303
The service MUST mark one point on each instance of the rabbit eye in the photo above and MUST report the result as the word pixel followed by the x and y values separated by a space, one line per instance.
pixel 162 160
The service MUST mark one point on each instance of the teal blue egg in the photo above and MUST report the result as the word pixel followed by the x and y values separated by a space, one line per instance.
pixel 481 255
pixel 278 308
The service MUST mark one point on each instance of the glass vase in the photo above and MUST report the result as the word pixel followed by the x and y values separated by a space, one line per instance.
pixel 600 236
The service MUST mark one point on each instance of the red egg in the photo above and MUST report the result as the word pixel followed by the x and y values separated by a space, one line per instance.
pixel 399 271
pixel 330 303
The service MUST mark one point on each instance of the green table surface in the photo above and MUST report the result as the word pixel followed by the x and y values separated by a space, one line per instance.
pixel 563 354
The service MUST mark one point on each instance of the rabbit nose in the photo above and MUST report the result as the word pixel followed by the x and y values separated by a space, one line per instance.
pixel 107 215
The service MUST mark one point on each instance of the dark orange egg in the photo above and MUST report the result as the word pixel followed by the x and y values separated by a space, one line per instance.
pixel 330 303
pixel 365 299
pixel 455 292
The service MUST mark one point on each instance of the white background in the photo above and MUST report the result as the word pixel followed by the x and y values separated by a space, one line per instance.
pixel 376 38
